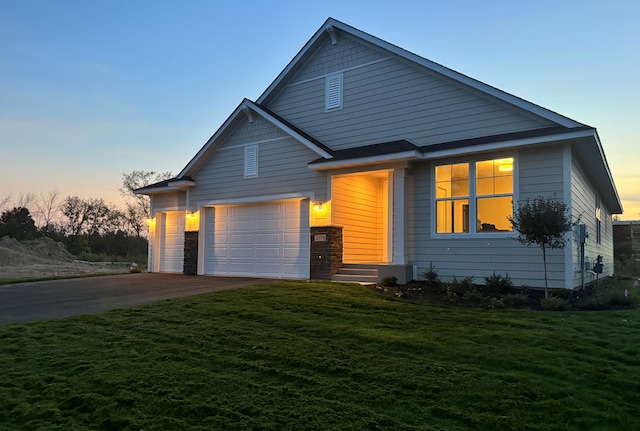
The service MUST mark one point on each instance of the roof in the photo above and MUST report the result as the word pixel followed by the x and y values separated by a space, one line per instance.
pixel 583 138
pixel 331 25
pixel 248 107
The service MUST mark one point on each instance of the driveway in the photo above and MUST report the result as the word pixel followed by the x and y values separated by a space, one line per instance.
pixel 28 302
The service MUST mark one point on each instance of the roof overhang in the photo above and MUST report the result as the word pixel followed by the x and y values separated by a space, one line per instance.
pixel 584 141
pixel 173 185
pixel 246 108
pixel 328 29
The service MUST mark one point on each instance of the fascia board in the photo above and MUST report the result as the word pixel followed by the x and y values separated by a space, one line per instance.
pixel 294 61
pixel 154 190
pixel 257 199
pixel 290 132
pixel 205 148
pixel 431 65
pixel 505 144
pixel 361 161
pixel 252 106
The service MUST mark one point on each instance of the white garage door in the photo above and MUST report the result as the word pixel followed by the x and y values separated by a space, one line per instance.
pixel 266 240
pixel 172 250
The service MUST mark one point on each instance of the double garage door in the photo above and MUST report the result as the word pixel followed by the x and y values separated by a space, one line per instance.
pixel 265 240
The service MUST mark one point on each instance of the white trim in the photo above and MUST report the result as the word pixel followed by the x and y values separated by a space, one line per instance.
pixel 331 164
pixel 472 159
pixel 264 141
pixel 257 199
pixel 180 208
pixel 248 104
pixel 313 147
pixel 348 69
pixel 497 146
pixel 569 274
pixel 399 235
pixel 435 67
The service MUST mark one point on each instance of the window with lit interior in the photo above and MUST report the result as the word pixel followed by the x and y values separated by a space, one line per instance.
pixel 474 197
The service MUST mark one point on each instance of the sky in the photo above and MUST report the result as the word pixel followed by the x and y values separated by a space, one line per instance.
pixel 90 90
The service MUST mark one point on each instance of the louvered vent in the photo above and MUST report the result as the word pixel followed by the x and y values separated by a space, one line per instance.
pixel 333 98
pixel 251 161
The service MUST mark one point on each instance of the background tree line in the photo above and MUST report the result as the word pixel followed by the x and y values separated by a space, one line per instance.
pixel 90 228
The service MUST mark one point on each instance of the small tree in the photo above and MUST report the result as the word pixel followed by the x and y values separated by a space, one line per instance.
pixel 18 224
pixel 542 221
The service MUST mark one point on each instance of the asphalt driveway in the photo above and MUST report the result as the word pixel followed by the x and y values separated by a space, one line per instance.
pixel 28 302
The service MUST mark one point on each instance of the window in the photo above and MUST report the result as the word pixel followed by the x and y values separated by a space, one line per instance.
pixel 251 161
pixel 333 92
pixel 480 191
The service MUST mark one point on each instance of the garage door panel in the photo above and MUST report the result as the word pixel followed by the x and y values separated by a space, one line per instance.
pixel 268 253
pixel 242 239
pixel 268 225
pixel 267 238
pixel 270 239
pixel 241 252
pixel 242 225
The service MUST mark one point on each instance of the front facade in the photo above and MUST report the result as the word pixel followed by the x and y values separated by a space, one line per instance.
pixel 362 153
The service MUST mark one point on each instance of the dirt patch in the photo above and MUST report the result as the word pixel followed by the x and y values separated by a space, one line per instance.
pixel 45 257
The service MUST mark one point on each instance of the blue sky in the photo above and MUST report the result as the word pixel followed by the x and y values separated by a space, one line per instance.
pixel 92 89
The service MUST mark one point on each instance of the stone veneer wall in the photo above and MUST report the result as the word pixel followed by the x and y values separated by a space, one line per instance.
pixel 190 266
pixel 326 251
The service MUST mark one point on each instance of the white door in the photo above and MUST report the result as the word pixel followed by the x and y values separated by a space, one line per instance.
pixel 265 240
pixel 172 250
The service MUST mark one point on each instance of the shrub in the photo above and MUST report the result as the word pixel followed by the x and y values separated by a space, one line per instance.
pixel 498 284
pixel 460 287
pixel 554 303
pixel 431 275
pixel 389 281
pixel 516 299
pixel 473 295
pixel 495 303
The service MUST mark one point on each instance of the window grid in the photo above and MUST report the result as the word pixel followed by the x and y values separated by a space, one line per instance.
pixel 460 199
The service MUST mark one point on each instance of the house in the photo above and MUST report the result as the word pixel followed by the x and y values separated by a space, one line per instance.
pixel 363 160
pixel 626 238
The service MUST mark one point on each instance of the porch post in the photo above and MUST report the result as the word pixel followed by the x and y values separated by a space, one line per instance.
pixel 399 216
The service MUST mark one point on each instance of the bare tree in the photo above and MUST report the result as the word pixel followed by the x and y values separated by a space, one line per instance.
pixel 27 200
pixel 5 202
pixel 138 206
pixel 48 208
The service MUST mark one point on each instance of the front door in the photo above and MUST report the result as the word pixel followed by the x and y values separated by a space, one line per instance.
pixel 360 204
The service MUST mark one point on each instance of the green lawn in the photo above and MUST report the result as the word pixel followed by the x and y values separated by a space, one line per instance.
pixel 321 356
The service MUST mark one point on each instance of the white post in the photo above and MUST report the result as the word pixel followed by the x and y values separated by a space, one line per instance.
pixel 399 217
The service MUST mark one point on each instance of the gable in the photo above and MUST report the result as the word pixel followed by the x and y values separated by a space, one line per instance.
pixel 256 159
pixel 386 98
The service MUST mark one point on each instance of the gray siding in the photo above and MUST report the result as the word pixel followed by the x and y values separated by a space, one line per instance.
pixel 282 167
pixel 169 201
pixel 481 255
pixel 583 205
pixel 390 99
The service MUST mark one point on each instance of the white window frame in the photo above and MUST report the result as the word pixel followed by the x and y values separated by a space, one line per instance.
pixel 251 161
pixel 333 92
pixel 472 197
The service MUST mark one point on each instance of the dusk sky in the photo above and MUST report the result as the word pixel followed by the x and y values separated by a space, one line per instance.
pixel 92 89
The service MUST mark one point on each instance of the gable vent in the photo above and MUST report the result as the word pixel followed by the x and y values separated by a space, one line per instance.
pixel 250 161
pixel 333 92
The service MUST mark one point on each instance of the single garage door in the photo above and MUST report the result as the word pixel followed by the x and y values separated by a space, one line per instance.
pixel 266 240
pixel 172 249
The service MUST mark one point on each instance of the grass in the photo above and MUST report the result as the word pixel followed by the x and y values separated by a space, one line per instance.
pixel 321 356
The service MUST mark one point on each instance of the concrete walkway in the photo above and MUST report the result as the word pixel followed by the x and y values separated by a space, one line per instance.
pixel 29 302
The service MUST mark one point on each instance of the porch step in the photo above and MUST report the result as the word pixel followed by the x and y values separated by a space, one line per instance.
pixel 364 273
